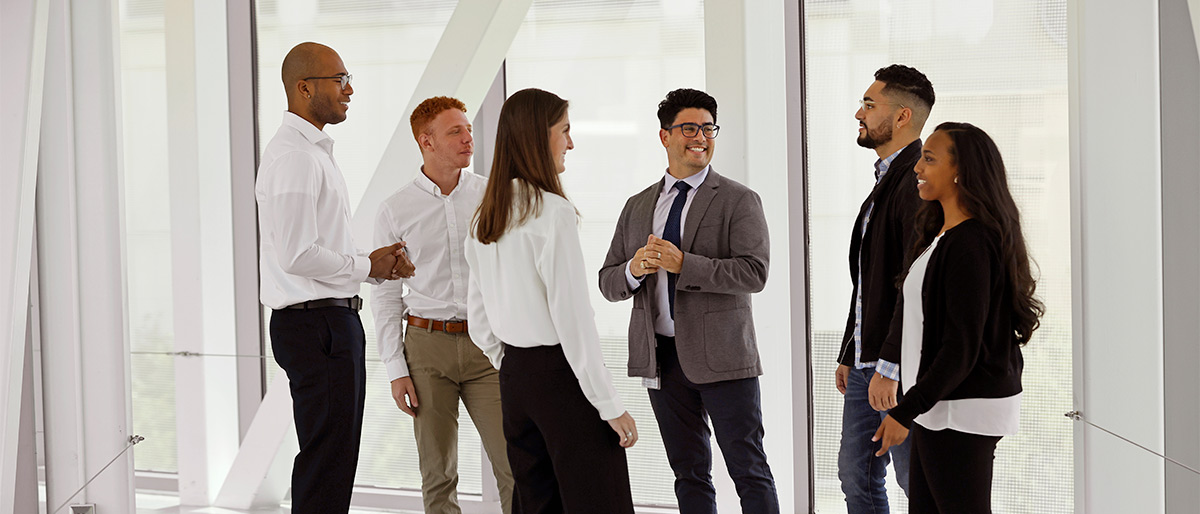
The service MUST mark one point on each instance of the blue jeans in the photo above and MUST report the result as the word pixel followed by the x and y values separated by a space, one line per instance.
pixel 861 472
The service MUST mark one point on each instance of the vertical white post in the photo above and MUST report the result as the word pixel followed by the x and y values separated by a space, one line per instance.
pixel 1117 252
pixel 746 70
pixel 81 261
pixel 796 213
pixel 198 148
pixel 23 51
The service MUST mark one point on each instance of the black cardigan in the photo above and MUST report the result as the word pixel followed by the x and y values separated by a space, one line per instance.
pixel 968 348
pixel 884 248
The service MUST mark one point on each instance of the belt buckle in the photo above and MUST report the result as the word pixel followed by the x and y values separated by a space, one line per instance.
pixel 458 324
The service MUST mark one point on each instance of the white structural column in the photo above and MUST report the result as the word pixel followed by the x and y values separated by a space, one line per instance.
pixel 1117 253
pixel 23 52
pixel 746 71
pixel 463 65
pixel 81 267
pixel 797 215
pixel 201 246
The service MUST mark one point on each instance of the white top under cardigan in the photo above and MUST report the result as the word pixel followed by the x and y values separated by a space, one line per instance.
pixel 530 289
pixel 982 416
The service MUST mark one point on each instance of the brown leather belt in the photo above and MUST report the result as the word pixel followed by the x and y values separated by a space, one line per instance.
pixel 451 327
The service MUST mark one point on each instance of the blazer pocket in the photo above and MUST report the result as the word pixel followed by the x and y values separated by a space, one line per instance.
pixel 639 347
pixel 729 340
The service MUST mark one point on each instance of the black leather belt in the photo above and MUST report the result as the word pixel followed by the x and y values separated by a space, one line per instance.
pixel 349 303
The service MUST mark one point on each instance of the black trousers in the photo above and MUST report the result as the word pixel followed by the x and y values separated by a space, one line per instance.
pixel 734 406
pixel 322 352
pixel 951 472
pixel 564 458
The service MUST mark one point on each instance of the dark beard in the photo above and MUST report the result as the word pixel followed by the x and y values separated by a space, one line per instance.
pixel 875 138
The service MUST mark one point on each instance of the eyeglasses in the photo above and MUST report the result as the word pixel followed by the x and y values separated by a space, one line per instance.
pixel 344 80
pixel 690 129
pixel 871 104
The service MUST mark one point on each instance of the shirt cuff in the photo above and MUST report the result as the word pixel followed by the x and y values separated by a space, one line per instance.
pixel 888 369
pixel 631 280
pixel 396 368
pixel 362 270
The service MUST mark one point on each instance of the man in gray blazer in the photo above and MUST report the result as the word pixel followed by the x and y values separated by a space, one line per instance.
pixel 690 249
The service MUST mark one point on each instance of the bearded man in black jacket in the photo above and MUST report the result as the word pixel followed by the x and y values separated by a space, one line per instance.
pixel 892 113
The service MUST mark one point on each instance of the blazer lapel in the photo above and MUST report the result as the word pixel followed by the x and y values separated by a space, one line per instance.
pixel 704 197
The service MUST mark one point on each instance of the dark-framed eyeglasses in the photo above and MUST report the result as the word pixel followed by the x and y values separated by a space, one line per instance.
pixel 690 129
pixel 344 80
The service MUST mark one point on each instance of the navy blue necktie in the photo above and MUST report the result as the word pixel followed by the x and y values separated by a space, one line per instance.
pixel 671 233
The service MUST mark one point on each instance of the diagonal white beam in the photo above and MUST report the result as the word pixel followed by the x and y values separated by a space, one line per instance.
pixel 13 358
pixel 463 65
pixel 260 475
pixel 1194 9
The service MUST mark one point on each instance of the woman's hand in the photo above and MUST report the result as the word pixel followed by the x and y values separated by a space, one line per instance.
pixel 891 432
pixel 625 428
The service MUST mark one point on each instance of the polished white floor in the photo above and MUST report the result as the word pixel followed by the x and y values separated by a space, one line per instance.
pixel 159 503
pixel 165 503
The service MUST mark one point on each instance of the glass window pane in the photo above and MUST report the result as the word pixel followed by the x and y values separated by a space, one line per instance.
pixel 385 44
pixel 1003 67
pixel 614 65
pixel 148 232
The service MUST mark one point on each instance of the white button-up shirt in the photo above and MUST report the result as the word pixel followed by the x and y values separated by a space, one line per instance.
pixel 664 324
pixel 306 249
pixel 433 226
pixel 530 289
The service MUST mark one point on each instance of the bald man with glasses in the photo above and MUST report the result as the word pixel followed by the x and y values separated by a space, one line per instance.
pixel 311 272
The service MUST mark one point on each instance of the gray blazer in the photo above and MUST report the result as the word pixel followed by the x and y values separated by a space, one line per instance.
pixel 725 259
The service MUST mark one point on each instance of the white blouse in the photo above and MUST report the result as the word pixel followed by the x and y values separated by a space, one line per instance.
pixel 530 289
pixel 982 416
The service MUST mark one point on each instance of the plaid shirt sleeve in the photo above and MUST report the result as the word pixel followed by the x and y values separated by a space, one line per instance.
pixel 888 369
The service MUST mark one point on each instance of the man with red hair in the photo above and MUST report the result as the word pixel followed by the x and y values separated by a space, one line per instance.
pixel 434 363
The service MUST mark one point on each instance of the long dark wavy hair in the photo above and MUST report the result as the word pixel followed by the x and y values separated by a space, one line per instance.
pixel 523 154
pixel 983 193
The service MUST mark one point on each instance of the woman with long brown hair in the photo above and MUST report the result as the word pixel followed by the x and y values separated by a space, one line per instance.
pixel 967 306
pixel 528 305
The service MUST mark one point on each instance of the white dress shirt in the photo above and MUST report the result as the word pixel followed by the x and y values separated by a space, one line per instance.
pixel 433 226
pixel 982 416
pixel 664 325
pixel 530 289
pixel 307 247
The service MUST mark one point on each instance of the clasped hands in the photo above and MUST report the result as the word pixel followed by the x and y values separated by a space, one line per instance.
pixel 391 263
pixel 658 253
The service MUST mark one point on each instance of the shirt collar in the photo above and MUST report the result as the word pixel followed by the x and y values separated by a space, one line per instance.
pixel 308 130
pixel 423 182
pixel 695 180
pixel 882 165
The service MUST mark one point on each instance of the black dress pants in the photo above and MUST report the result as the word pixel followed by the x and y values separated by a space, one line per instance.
pixel 564 458
pixel 683 408
pixel 950 472
pixel 322 352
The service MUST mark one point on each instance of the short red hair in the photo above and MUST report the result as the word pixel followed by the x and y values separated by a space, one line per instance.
pixel 429 109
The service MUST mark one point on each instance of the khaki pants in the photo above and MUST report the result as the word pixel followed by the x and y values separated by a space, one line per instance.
pixel 445 367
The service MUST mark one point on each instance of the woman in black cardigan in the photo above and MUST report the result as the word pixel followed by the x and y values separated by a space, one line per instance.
pixel 966 307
